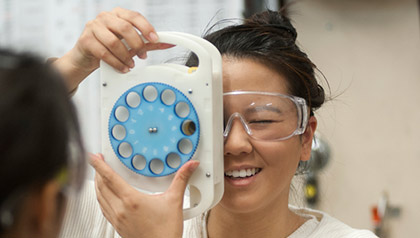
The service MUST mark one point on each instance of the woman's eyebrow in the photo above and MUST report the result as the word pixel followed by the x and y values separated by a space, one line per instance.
pixel 263 108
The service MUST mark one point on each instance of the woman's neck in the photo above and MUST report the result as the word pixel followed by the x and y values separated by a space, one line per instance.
pixel 276 221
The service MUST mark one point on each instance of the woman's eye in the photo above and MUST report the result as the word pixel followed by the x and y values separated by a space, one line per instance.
pixel 261 121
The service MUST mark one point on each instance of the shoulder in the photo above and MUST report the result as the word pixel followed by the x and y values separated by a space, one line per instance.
pixel 335 228
pixel 83 216
pixel 328 226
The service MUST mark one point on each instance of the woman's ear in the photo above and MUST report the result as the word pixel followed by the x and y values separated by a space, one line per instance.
pixel 47 208
pixel 307 137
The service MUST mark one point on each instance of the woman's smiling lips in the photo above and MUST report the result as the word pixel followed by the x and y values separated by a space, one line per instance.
pixel 241 177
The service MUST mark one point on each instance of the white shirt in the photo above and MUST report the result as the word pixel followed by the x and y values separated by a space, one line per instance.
pixel 317 225
pixel 84 219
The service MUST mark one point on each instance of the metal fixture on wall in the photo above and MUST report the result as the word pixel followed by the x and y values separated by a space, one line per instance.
pixel 381 213
pixel 320 155
pixel 254 6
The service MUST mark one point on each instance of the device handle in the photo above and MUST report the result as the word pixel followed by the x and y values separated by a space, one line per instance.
pixel 209 47
pixel 207 54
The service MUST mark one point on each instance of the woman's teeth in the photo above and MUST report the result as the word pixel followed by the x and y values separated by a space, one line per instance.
pixel 242 173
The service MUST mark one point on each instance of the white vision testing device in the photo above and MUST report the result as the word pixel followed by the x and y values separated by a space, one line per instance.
pixel 156 118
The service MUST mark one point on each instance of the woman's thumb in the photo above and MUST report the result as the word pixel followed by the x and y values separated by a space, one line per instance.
pixel 180 181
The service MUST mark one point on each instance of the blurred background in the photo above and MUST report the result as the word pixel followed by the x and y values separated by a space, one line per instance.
pixel 367 156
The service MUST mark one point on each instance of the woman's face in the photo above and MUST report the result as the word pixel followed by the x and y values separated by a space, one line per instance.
pixel 276 161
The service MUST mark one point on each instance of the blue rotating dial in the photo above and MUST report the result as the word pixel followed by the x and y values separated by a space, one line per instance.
pixel 153 129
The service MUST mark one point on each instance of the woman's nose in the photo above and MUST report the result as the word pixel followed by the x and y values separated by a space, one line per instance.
pixel 236 138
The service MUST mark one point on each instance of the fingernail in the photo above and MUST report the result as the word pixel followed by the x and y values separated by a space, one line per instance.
pixel 132 53
pixel 153 37
pixel 194 166
pixel 131 63
pixel 165 45
pixel 125 70
pixel 143 55
pixel 101 156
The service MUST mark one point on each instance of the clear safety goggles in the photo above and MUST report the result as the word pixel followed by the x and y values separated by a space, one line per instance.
pixel 264 115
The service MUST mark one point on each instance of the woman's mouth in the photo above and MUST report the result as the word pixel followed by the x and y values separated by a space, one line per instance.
pixel 243 173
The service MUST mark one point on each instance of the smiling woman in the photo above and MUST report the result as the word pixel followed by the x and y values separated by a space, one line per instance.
pixel 265 194
pixel 270 95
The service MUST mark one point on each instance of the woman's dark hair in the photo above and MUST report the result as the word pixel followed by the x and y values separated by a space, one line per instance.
pixel 39 132
pixel 269 38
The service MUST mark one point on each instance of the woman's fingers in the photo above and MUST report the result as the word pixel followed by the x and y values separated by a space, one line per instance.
pixel 139 22
pixel 99 50
pixel 109 30
pixel 123 29
pixel 103 39
pixel 133 213
pixel 105 193
pixel 113 44
pixel 153 46
pixel 105 204
pixel 109 178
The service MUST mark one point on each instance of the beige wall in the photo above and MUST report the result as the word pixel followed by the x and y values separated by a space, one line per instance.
pixel 370 52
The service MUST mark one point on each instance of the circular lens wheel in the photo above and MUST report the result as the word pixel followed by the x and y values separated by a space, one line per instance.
pixel 153 129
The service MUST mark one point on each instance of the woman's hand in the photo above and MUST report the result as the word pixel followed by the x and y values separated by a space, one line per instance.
pixel 135 214
pixel 102 40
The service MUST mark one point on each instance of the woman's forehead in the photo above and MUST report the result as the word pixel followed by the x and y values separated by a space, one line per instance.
pixel 250 75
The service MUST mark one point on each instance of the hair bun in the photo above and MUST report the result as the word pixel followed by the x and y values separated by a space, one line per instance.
pixel 273 20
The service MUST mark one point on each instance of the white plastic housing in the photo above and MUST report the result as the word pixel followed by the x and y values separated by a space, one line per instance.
pixel 206 184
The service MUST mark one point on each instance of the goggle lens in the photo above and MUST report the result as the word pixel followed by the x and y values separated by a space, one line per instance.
pixel 264 116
